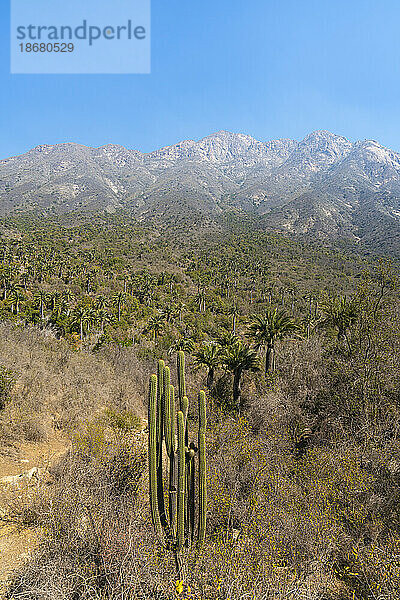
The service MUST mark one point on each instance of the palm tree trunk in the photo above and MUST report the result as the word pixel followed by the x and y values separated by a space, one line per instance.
pixel 347 341
pixel 210 378
pixel 269 359
pixel 237 376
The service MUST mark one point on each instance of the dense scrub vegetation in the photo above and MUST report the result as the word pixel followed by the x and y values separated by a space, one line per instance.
pixel 297 347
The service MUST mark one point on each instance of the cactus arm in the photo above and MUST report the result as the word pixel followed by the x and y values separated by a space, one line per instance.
pixel 202 490
pixel 181 377
pixel 185 410
pixel 180 538
pixel 202 470
pixel 191 468
pixel 202 411
pixel 167 411
pixel 160 437
pixel 153 456
pixel 172 464
pixel 173 417
pixel 160 391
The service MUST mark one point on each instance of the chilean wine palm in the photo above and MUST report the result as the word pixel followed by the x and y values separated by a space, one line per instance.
pixel 155 326
pixel 118 300
pixel 339 314
pixel 239 358
pixel 266 329
pixel 81 316
pixel 209 356
pixel 41 298
pixel 186 344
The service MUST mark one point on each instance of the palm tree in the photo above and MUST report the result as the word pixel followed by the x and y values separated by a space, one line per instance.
pixel 339 314
pixel 101 303
pixel 118 300
pixel 5 274
pixel 53 299
pixel 201 299
pixel 41 296
pixel 309 323
pixel 239 358
pixel 169 313
pixel 183 343
pixel 209 356
pixel 102 316
pixel 266 329
pixel 68 297
pixel 60 308
pixel 90 278
pixel 81 316
pixel 233 312
pixel 154 326
pixel 16 297
pixel 228 339
pixel 180 307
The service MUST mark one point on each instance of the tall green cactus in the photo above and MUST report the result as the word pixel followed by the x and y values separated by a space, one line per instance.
pixel 159 435
pixel 181 376
pixel 180 535
pixel 202 470
pixel 169 432
pixel 153 451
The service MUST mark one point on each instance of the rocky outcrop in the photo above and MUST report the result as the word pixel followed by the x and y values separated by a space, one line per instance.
pixel 324 185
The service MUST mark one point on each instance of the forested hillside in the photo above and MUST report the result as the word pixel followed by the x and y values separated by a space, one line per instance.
pixel 295 343
pixel 323 187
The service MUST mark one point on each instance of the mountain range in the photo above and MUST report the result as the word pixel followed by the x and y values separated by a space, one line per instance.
pixel 323 186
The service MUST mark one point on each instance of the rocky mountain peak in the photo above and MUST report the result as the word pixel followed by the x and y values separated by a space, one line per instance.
pixel 318 151
pixel 322 185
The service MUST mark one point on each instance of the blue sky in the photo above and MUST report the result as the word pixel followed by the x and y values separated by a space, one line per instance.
pixel 268 68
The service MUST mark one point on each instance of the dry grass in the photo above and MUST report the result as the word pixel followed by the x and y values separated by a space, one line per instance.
pixel 57 388
pixel 319 526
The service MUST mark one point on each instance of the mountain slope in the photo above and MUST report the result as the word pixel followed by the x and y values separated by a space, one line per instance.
pixel 324 186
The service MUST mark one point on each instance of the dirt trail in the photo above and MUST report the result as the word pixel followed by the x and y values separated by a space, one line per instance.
pixel 16 545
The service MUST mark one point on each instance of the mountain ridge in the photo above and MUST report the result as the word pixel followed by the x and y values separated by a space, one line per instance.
pixel 323 185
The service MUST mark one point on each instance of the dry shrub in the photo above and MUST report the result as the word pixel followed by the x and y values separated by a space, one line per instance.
pixel 284 524
pixel 320 526
pixel 92 517
pixel 25 505
pixel 278 527
pixel 57 387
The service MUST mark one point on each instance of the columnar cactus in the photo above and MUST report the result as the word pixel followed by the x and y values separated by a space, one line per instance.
pixel 181 376
pixel 202 469
pixel 153 451
pixel 175 524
